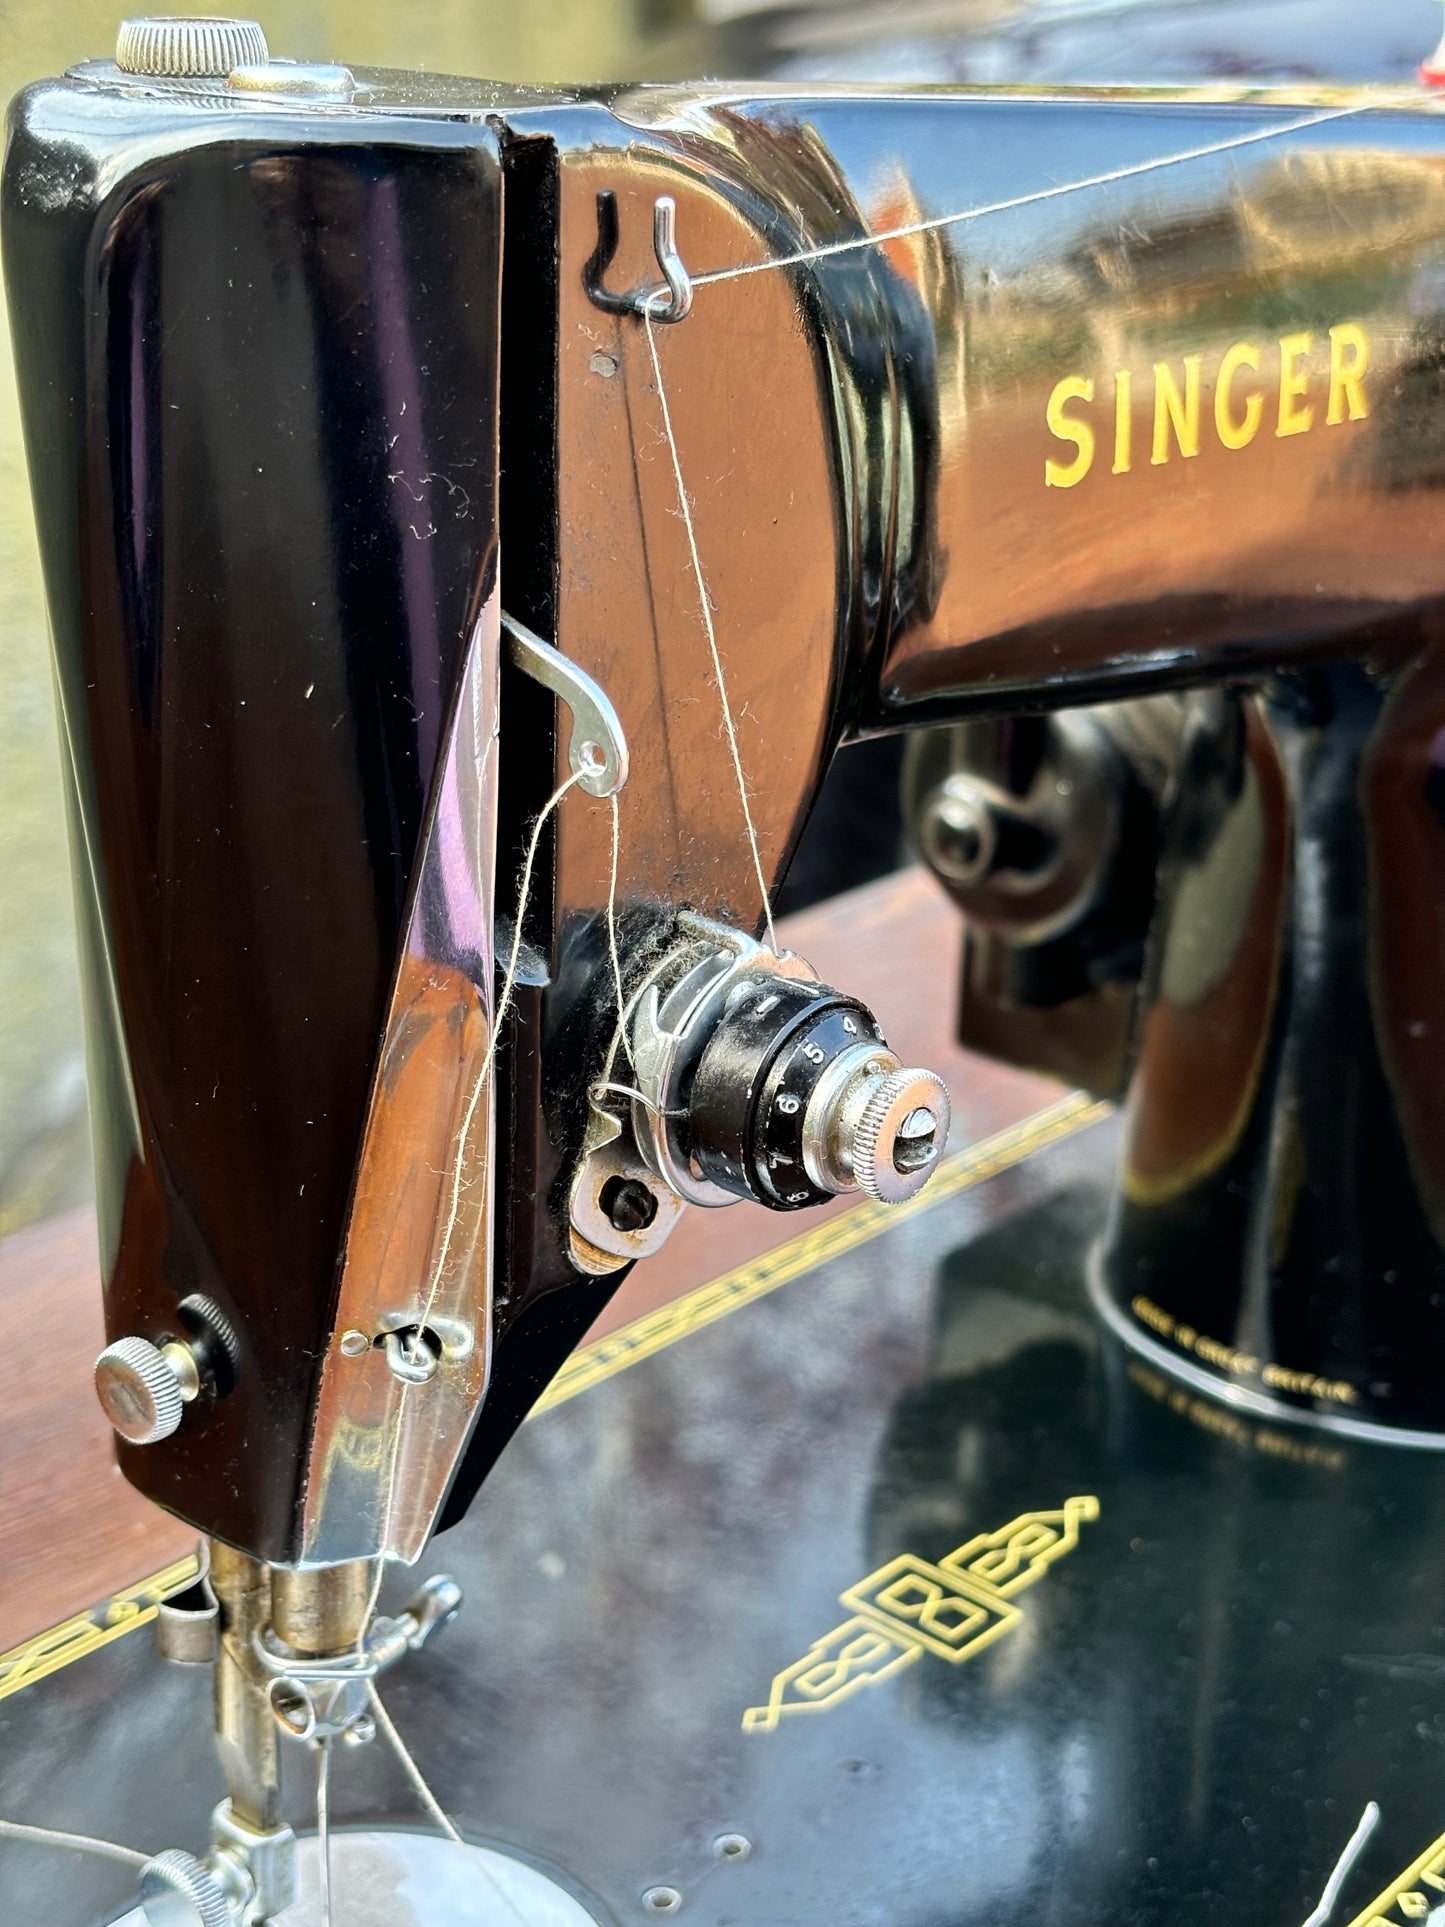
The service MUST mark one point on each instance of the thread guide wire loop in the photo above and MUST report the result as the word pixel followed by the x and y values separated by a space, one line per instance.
pixel 677 304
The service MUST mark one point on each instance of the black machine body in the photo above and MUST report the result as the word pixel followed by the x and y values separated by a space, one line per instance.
pixel 474 517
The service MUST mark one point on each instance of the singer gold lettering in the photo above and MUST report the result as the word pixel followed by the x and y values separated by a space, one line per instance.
pixel 1295 372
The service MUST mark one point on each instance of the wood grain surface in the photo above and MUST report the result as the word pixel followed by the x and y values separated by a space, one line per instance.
pixel 72 1531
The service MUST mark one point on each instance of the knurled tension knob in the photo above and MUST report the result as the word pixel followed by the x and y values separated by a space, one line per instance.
pixel 899 1135
pixel 796 1098
pixel 188 48
pixel 144 1388
pixel 177 1890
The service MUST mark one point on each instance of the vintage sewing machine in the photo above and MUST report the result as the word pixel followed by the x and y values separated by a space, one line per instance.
pixel 472 519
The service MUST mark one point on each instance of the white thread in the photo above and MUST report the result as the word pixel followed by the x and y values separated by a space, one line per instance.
pixel 413 1771
pixel 1129 173
pixel 509 980
pixel 524 891
pixel 612 903
pixel 706 606
pixel 1354 1847
pixel 602 1086
pixel 83 1842
pixel 323 1827
pixel 620 1038
pixel 430 1801
pixel 384 1534
pixel 504 1002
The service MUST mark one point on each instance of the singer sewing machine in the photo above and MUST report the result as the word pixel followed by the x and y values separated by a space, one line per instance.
pixel 472 520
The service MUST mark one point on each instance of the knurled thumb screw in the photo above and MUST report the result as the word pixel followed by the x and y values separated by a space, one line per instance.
pixel 188 47
pixel 901 1134
pixel 177 1890
pixel 144 1388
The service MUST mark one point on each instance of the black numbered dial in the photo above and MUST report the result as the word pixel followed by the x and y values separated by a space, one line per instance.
pixel 753 1105
pixel 788 1103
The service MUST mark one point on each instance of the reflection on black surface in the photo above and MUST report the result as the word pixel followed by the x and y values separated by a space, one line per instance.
pixel 1246 1648
pixel 1180 1730
pixel 1280 1216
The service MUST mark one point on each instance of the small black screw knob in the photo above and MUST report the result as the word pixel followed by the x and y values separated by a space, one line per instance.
pixel 629 1204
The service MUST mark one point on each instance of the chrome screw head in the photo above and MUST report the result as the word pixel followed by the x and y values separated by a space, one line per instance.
pixel 195 47
pixel 901 1135
pixel 143 1388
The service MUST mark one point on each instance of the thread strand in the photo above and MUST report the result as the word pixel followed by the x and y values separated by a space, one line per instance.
pixel 81 1842
pixel 705 604
pixel 323 1828
pixel 431 1803
pixel 504 1001
pixel 504 1004
pixel 612 904
pixel 1107 179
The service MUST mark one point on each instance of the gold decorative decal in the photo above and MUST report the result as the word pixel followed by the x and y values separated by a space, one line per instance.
pixel 87 1632
pixel 1417 1894
pixel 629 1345
pixel 910 1607
pixel 1238 1364
pixel 1248 1434
pixel 1238 410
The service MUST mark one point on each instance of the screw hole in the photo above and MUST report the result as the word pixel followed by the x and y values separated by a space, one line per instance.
pixel 662 1900
pixel 593 758
pixel 732 1846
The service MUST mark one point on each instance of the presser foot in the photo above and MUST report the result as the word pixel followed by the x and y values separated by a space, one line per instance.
pixel 392 1878
pixel 388 1878
pixel 296 1655
pixel 248 1877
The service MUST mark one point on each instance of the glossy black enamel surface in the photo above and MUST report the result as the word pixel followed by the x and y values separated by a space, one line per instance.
pixel 258 363
pixel 260 353
pixel 1279 1222
pixel 1182 1729
pixel 1162 562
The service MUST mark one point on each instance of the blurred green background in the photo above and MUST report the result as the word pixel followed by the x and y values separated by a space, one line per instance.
pixel 44 1139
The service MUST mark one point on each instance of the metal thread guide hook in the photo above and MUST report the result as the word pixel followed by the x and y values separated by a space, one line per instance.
pixel 642 301
pixel 597 748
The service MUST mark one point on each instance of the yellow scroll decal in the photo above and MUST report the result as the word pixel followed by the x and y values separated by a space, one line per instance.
pixel 910 1607
pixel 1416 1895
pixel 86 1632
